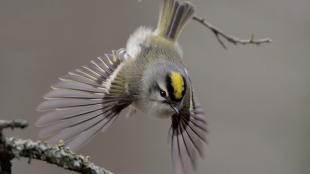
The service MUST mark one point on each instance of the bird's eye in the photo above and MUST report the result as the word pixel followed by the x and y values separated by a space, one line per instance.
pixel 162 93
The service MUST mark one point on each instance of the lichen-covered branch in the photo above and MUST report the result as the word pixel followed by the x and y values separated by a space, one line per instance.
pixel 59 155
pixel 13 124
pixel 219 34
pixel 5 155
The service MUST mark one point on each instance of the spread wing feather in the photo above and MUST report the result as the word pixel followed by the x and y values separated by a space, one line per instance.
pixel 188 136
pixel 85 101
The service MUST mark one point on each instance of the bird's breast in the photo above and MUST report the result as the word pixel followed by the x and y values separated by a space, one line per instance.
pixel 153 109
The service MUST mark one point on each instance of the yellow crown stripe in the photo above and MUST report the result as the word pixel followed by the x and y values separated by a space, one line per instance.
pixel 177 83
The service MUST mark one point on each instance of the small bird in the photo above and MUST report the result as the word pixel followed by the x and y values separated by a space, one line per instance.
pixel 148 76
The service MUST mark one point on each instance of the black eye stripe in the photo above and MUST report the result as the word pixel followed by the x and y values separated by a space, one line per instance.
pixel 169 86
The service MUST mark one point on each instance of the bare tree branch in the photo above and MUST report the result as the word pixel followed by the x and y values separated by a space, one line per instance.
pixel 61 156
pixel 219 34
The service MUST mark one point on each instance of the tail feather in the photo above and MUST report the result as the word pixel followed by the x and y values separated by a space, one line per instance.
pixel 173 17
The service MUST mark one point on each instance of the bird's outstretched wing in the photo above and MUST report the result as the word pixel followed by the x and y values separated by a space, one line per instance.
pixel 188 136
pixel 85 101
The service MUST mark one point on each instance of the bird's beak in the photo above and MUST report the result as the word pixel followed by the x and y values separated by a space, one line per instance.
pixel 175 109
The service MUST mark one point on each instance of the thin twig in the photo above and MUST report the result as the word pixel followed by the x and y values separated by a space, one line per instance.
pixel 219 34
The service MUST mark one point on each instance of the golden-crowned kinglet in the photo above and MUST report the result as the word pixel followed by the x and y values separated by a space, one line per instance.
pixel 148 76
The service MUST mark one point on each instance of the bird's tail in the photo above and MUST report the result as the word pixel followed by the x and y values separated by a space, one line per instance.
pixel 173 16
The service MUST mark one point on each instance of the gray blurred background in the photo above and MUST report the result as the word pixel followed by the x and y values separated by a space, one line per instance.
pixel 257 98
